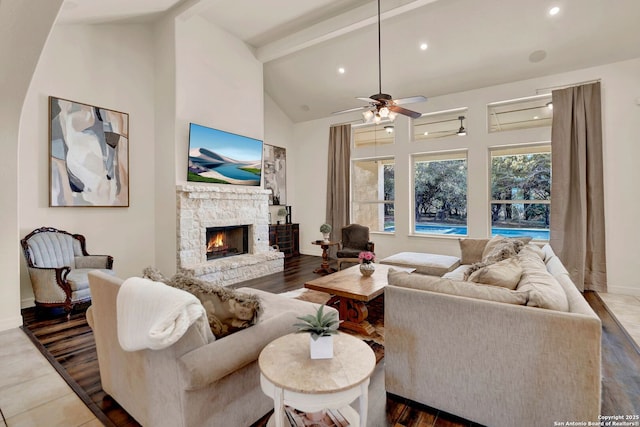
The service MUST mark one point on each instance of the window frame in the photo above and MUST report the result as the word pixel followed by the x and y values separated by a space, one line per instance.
pixel 388 159
pixel 464 153
pixel 516 147
pixel 386 139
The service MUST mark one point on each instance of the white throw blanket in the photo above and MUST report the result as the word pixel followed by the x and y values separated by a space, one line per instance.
pixel 154 315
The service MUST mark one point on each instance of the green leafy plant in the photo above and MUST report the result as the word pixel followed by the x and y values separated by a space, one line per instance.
pixel 325 228
pixel 282 212
pixel 319 325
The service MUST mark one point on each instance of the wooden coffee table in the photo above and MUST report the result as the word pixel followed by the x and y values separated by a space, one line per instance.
pixel 351 291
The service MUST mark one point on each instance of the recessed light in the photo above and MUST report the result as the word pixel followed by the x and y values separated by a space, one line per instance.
pixel 535 117
pixel 550 105
pixel 554 10
pixel 341 70
pixel 424 46
pixel 426 133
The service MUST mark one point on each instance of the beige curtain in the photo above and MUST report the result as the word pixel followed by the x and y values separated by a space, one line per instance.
pixel 577 225
pixel 338 180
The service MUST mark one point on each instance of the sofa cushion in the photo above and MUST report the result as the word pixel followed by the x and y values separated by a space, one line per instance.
pixel 536 249
pixel 544 290
pixel 471 250
pixel 455 287
pixel 227 310
pixel 457 274
pixel 424 263
pixel 499 248
pixel 505 273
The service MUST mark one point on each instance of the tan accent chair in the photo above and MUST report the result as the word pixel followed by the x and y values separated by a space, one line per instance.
pixel 194 382
pixel 355 239
pixel 58 264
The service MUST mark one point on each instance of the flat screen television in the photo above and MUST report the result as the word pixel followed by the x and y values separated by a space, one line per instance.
pixel 222 157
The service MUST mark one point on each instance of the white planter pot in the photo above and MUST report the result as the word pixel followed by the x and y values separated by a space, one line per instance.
pixel 325 236
pixel 322 348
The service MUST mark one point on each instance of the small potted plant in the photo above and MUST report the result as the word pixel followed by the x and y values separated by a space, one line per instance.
pixel 282 212
pixel 321 327
pixel 325 229
pixel 367 267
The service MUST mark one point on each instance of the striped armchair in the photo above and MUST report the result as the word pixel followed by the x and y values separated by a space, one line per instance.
pixel 58 264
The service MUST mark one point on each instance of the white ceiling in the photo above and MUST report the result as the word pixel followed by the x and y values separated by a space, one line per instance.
pixel 472 43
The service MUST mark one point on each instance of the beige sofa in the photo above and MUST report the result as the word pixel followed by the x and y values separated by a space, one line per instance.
pixel 194 382
pixel 495 363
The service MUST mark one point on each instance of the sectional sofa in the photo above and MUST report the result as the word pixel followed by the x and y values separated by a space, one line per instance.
pixel 527 356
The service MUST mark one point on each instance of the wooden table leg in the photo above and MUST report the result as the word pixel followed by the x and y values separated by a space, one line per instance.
pixel 324 267
pixel 353 315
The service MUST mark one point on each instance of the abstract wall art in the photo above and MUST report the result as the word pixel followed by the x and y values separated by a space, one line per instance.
pixel 89 155
pixel 275 174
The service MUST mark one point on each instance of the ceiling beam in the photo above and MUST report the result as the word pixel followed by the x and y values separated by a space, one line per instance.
pixel 345 23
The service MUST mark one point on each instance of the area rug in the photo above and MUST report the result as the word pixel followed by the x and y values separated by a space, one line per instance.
pixel 376 317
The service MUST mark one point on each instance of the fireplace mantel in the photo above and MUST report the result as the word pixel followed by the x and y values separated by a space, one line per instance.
pixel 202 206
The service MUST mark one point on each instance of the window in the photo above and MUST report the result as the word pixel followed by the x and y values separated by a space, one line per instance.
pixel 523 113
pixel 365 135
pixel 438 125
pixel 521 191
pixel 372 194
pixel 440 193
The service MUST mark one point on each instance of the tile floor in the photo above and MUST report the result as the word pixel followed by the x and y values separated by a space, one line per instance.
pixel 33 394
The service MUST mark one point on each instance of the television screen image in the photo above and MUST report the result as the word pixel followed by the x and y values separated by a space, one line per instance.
pixel 222 157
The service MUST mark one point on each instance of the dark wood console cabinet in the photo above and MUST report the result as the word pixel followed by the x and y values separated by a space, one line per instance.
pixel 287 237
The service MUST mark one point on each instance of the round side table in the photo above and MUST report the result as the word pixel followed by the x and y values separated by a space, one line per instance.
pixel 292 378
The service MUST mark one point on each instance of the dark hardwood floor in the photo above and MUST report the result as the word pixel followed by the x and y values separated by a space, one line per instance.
pixel 70 347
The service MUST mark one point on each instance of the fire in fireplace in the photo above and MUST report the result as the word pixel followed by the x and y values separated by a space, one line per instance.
pixel 227 241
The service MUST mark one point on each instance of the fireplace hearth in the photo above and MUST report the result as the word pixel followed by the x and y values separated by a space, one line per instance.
pixel 227 241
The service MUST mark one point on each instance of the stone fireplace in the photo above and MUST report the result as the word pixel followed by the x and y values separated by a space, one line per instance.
pixel 240 212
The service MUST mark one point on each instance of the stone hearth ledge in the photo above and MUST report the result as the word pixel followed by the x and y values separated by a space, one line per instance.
pixel 227 271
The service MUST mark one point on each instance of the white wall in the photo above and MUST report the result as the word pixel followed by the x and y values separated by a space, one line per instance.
pixel 108 66
pixel 24 29
pixel 620 88
pixel 278 131
pixel 218 84
pixel 165 149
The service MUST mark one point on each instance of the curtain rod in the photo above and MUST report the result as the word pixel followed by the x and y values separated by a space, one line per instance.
pixel 543 89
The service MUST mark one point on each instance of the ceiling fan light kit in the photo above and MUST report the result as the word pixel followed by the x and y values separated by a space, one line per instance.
pixel 382 105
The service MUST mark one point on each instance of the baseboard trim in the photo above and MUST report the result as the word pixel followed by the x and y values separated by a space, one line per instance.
pixel 10 323
pixel 624 290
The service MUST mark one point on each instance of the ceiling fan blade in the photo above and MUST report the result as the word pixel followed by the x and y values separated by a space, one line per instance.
pixel 404 111
pixel 367 99
pixel 366 107
pixel 409 100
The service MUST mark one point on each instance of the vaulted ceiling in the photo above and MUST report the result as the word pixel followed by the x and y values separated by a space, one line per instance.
pixel 471 43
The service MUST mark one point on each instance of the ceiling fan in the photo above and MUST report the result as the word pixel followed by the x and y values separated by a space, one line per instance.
pixel 382 105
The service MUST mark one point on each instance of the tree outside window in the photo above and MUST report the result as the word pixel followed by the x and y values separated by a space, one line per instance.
pixel 440 193
pixel 521 191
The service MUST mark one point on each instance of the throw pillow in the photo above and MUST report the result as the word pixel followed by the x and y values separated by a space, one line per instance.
pixel 505 273
pixel 535 249
pixel 471 250
pixel 499 248
pixel 544 290
pixel 455 287
pixel 227 310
